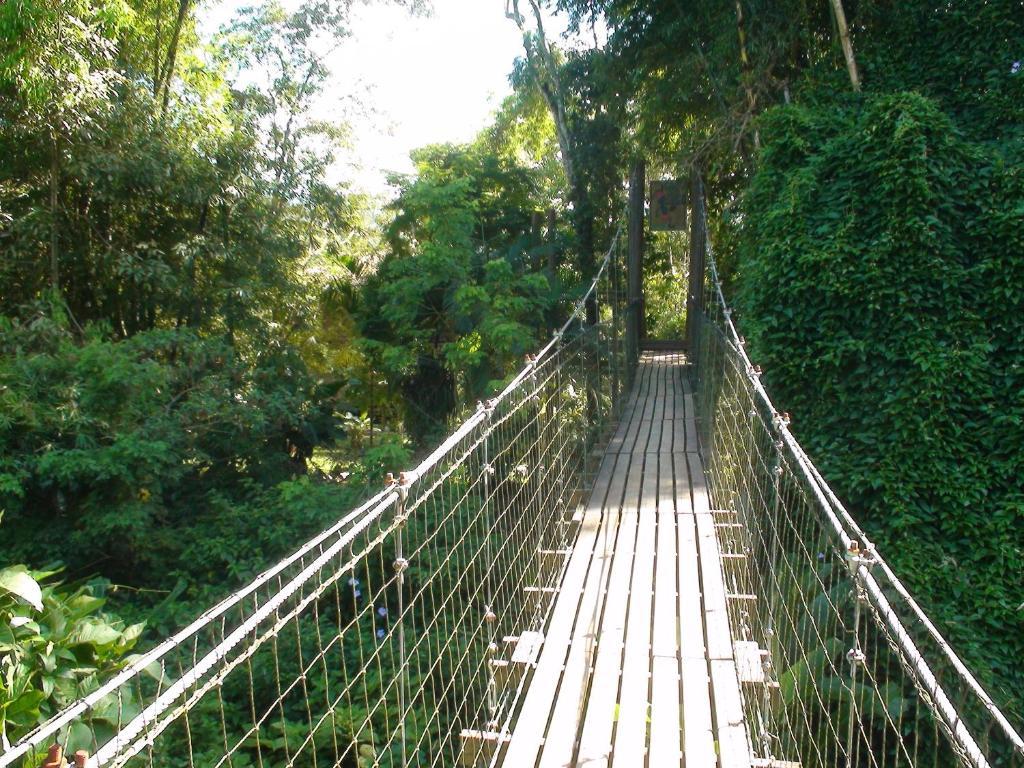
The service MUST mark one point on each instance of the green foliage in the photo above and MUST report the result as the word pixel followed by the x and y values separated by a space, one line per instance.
pixel 108 444
pixel 182 292
pixel 56 645
pixel 460 299
pixel 666 270
pixel 56 56
pixel 881 287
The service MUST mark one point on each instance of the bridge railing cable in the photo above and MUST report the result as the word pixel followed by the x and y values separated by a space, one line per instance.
pixel 403 635
pixel 842 667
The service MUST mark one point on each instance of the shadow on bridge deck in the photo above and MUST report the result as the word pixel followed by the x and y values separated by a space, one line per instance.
pixel 637 665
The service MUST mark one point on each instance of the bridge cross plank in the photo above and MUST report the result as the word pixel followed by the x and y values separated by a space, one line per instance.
pixel 637 666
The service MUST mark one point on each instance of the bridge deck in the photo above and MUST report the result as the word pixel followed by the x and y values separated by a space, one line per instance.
pixel 637 663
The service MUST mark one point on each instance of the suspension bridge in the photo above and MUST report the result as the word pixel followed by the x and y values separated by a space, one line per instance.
pixel 623 559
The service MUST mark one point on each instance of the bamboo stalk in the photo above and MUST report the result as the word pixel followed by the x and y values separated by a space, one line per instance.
pixel 844 39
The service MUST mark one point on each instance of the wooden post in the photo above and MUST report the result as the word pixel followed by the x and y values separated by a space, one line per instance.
pixel 695 284
pixel 635 331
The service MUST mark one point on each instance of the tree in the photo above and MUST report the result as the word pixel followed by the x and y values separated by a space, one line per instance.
pixel 580 123
pixel 456 300
pixel 56 68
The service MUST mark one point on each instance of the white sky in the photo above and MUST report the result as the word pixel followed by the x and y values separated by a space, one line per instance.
pixel 426 79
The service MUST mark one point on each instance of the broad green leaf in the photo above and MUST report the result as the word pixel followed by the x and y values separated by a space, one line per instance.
pixel 16 581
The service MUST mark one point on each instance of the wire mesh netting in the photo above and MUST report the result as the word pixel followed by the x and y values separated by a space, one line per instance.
pixel 403 634
pixel 842 667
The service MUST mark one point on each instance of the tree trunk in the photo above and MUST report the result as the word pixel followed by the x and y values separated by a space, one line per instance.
pixel 745 68
pixel 544 70
pixel 844 39
pixel 156 48
pixel 583 226
pixel 167 74
pixel 54 213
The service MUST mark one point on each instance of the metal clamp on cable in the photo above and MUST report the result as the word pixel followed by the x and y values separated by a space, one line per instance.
pixel 781 420
pixel 402 488
pixel 856 557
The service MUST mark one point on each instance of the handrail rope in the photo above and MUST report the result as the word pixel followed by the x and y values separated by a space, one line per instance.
pixel 940 641
pixel 53 726
pixel 140 728
pixel 919 665
pixel 838 515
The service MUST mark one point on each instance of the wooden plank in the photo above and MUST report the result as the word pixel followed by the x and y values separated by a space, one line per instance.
pixel 716 614
pixel 665 640
pixel 631 731
pixel 665 714
pixel 730 728
pixel 529 730
pixel 681 469
pixel 653 443
pixel 665 746
pixel 636 417
pixel 650 394
pixel 698 731
pixel 619 438
pixel 733 747
pixel 643 436
pixel 749 666
pixel 691 426
pixel 560 739
pixel 599 719
pixel 630 410
pixel 691 638
pixel 528 648
pixel 679 435
pixel 657 410
pixel 699 489
pixel 480 747
pixel 673 407
pixel 698 736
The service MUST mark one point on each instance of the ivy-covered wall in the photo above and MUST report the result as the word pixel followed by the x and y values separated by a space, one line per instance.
pixel 881 283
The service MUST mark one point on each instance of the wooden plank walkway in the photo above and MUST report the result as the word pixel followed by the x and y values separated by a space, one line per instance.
pixel 637 667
